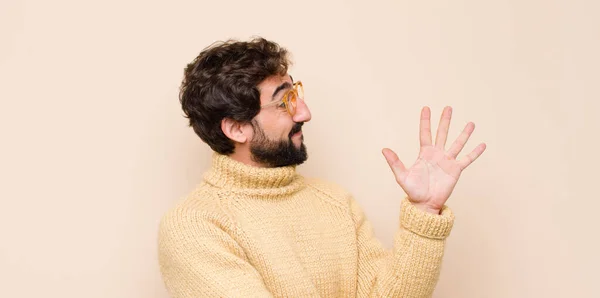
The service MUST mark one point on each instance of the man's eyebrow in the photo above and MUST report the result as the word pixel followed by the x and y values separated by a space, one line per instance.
pixel 283 86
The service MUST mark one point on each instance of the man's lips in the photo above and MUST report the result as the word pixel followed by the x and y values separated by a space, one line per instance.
pixel 296 130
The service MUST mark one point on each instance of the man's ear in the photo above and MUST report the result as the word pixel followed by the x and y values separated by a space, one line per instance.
pixel 234 130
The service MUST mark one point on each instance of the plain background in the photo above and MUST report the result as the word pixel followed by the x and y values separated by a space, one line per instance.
pixel 94 147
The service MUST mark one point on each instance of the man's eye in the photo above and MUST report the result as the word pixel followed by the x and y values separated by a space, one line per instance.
pixel 281 105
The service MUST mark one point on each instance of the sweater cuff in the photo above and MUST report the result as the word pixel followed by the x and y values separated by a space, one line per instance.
pixel 426 224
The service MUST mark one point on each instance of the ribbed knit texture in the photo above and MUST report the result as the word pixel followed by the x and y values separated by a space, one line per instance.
pixel 269 232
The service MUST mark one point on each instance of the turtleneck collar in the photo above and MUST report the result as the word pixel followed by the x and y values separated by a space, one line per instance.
pixel 231 174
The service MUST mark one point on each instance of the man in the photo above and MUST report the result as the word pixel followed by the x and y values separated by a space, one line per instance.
pixel 255 228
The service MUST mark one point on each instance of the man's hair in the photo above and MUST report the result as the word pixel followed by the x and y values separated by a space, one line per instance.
pixel 222 83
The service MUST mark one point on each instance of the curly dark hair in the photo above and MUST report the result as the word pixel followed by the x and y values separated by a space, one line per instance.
pixel 222 83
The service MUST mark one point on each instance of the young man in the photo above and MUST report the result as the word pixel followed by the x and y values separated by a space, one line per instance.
pixel 255 228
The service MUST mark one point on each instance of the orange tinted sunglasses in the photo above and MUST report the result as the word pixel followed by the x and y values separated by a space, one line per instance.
pixel 290 98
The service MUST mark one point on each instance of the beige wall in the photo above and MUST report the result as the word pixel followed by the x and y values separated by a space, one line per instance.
pixel 95 148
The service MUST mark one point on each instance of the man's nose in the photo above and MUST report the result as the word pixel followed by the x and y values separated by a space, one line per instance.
pixel 302 112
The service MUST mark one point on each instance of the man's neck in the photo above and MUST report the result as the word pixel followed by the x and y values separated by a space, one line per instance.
pixel 229 173
pixel 243 155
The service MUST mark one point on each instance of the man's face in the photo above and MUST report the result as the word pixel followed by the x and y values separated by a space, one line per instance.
pixel 277 140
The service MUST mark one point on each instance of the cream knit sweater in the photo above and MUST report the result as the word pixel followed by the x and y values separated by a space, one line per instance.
pixel 269 232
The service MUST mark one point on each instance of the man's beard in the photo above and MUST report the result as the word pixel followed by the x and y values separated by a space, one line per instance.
pixel 277 153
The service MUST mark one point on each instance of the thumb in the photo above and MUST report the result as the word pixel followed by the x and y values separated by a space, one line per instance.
pixel 394 162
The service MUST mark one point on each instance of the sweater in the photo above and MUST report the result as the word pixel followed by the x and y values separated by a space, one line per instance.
pixel 246 231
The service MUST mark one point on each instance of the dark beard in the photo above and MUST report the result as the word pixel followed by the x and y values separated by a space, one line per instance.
pixel 280 153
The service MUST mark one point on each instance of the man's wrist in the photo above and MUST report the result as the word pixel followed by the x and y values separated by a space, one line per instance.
pixel 424 207
pixel 422 220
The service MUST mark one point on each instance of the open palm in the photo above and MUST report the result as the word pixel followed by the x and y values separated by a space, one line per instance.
pixel 432 178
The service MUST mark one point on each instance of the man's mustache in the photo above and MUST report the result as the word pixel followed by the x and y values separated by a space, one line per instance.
pixel 297 127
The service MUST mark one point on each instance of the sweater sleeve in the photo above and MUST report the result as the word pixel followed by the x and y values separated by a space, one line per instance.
pixel 412 267
pixel 198 258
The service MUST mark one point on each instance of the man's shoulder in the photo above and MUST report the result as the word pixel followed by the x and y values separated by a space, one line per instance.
pixel 331 190
pixel 197 208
